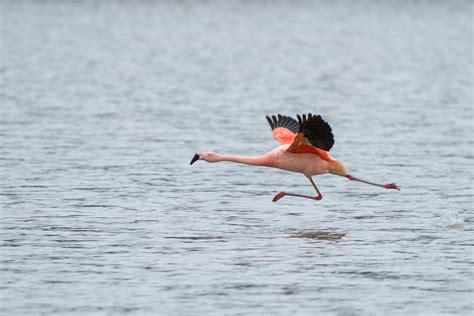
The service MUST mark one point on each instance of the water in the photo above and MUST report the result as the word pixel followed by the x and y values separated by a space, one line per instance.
pixel 103 104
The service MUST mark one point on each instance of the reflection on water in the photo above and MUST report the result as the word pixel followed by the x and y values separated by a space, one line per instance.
pixel 318 235
pixel 102 104
pixel 196 237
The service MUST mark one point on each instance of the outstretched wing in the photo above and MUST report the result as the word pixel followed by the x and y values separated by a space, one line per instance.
pixel 314 136
pixel 284 128
pixel 301 146
pixel 317 131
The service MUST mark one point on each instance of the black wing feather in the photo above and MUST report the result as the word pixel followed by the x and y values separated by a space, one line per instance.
pixel 317 131
pixel 283 121
pixel 270 122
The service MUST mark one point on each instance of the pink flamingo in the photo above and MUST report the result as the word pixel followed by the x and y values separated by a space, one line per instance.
pixel 305 146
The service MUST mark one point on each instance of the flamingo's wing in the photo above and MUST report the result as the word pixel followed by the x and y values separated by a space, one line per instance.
pixel 317 131
pixel 314 136
pixel 301 146
pixel 284 128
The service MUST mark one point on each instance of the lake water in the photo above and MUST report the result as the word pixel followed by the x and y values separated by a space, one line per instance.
pixel 103 105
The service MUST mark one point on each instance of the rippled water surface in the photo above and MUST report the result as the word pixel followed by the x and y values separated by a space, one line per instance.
pixel 103 104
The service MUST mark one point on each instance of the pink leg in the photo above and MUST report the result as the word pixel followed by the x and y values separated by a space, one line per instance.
pixel 385 186
pixel 282 194
pixel 317 198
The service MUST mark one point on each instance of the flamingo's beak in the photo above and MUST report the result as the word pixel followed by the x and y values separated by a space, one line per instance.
pixel 195 158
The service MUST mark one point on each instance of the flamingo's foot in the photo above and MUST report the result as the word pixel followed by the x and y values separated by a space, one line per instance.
pixel 391 186
pixel 278 196
pixel 282 194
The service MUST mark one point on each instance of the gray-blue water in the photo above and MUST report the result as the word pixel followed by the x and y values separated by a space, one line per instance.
pixel 103 104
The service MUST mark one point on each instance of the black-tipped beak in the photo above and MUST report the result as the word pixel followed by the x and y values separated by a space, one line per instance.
pixel 195 158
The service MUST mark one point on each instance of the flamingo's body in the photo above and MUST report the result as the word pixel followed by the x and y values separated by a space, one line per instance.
pixel 305 149
pixel 305 163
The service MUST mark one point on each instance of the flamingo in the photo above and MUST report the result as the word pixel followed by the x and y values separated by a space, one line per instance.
pixel 304 149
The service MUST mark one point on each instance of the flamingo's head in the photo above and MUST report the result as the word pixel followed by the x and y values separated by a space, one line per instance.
pixel 206 156
pixel 338 168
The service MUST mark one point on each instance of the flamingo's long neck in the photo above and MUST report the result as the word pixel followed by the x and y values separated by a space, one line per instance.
pixel 254 161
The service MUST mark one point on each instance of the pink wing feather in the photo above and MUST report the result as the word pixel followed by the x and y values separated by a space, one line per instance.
pixel 284 135
pixel 284 128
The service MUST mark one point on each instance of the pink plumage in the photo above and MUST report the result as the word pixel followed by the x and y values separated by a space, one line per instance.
pixel 304 149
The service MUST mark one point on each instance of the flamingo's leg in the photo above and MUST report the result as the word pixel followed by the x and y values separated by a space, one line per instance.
pixel 385 186
pixel 320 196
pixel 317 198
